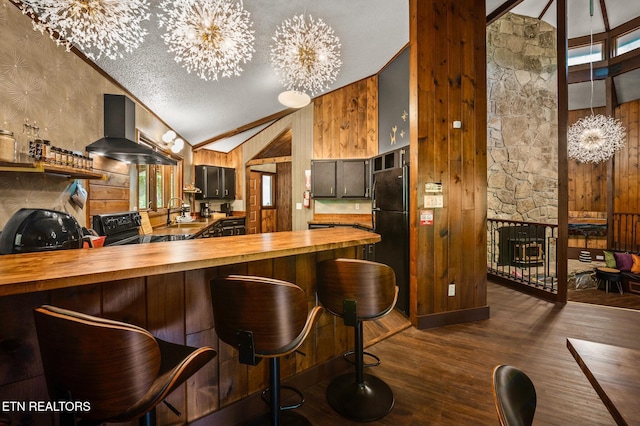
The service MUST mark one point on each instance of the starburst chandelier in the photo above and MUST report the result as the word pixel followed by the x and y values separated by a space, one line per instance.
pixel 95 27
pixel 306 55
pixel 595 138
pixel 211 38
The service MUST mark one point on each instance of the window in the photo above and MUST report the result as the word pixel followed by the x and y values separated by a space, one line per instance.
pixel 585 54
pixel 628 42
pixel 156 184
pixel 268 190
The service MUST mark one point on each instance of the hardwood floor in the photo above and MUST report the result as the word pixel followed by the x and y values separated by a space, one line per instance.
pixel 443 376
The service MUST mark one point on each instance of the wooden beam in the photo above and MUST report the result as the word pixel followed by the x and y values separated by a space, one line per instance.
pixel 260 161
pixel 611 100
pixel 549 3
pixel 272 117
pixel 501 10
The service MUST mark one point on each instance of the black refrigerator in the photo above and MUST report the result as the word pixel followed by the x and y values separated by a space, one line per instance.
pixel 391 220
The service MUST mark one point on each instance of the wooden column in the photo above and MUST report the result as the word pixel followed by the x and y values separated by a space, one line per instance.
pixel 447 84
pixel 563 160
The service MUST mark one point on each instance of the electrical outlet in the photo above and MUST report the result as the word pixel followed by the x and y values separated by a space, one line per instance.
pixel 357 206
pixel 452 289
pixel 599 257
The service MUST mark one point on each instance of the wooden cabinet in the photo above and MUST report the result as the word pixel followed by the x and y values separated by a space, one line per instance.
pixel 390 160
pixel 215 182
pixel 340 178
pixel 323 178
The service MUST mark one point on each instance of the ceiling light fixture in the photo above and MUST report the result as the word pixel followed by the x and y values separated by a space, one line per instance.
pixel 595 138
pixel 211 38
pixel 306 58
pixel 95 27
pixel 169 138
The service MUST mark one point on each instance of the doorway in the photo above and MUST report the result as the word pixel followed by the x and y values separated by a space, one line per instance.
pixel 269 187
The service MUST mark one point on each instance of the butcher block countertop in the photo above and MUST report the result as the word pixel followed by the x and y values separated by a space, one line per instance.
pixel 33 272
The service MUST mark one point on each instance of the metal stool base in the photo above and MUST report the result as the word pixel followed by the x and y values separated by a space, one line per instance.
pixel 366 402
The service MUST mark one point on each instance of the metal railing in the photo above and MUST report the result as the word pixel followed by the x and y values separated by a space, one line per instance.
pixel 626 235
pixel 523 253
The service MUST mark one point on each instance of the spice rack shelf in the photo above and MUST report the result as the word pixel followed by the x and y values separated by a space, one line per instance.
pixel 69 172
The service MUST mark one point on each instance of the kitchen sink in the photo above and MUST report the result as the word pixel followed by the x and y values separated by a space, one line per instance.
pixel 187 225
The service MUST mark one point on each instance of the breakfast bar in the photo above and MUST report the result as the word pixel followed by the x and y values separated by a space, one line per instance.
pixel 164 287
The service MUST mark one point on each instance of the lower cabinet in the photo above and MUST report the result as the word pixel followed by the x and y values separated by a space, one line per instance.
pixel 224 227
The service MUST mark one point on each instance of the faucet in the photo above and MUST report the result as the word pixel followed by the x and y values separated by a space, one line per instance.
pixel 169 208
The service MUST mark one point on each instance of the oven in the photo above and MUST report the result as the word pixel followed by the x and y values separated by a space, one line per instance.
pixel 124 228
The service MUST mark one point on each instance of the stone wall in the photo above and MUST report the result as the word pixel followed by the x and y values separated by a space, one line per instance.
pixel 522 139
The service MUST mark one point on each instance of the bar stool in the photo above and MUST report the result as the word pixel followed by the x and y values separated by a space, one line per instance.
pixel 608 276
pixel 357 291
pixel 264 318
pixel 119 369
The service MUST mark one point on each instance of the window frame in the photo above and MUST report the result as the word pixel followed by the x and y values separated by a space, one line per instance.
pixel 171 178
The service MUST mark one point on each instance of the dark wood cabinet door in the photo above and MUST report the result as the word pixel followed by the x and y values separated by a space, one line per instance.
pixel 323 178
pixel 354 179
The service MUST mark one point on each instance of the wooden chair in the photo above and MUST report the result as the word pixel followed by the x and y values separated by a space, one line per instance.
pixel 264 318
pixel 514 396
pixel 357 291
pixel 121 370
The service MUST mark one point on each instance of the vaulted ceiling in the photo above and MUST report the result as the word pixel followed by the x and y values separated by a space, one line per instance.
pixel 371 33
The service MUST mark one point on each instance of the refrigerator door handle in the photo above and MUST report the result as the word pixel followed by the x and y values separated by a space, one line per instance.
pixel 373 217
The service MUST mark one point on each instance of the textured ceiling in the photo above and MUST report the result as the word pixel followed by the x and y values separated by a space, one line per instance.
pixel 371 32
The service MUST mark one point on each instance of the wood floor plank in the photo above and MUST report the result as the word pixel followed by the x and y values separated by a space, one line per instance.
pixel 443 376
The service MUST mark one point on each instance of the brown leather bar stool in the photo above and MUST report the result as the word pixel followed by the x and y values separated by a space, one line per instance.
pixel 264 318
pixel 120 369
pixel 357 291
pixel 514 395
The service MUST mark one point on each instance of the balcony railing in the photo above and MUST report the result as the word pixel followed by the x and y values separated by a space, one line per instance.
pixel 523 253
pixel 626 232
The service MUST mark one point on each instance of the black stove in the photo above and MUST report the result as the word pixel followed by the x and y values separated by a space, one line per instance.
pixel 123 228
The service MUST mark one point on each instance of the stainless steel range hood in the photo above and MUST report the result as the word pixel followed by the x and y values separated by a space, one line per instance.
pixel 119 142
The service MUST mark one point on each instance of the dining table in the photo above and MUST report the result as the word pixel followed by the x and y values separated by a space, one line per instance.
pixel 614 373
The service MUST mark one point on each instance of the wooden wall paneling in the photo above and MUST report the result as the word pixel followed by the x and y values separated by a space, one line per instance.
pixel 166 321
pixel 345 122
pixel 268 220
pixel 632 169
pixel 587 182
pixel 475 159
pixel 110 195
pixel 199 315
pixel 442 157
pixel 305 270
pixel 125 301
pixel 422 106
pixel 284 196
pixel 86 299
pixel 371 117
pixel 202 388
pixel 19 350
pixel 621 172
pixel 258 376
pixel 31 389
pixel 318 126
pixel 447 84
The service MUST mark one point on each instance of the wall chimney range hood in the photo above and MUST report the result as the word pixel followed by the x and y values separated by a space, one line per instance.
pixel 119 141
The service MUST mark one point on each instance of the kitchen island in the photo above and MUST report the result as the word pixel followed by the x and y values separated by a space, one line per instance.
pixel 164 287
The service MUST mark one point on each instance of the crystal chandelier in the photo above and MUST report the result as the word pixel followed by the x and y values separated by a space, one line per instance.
pixel 95 27
pixel 595 138
pixel 306 55
pixel 211 38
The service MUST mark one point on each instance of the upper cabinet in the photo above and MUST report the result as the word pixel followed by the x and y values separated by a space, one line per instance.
pixel 340 178
pixel 215 182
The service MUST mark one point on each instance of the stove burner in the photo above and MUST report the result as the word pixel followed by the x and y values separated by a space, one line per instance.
pixel 123 229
